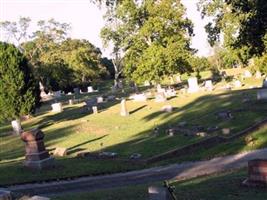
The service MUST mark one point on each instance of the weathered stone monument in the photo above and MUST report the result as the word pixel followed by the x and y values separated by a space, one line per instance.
pixel 100 99
pixel 170 92
pixel 257 173
pixel 139 97
pixel 124 111
pixel 16 125
pixel 208 85
pixel 262 94
pixel 160 97
pixel 37 157
pixel 192 85
pixel 90 89
pixel 57 107
pixel 94 108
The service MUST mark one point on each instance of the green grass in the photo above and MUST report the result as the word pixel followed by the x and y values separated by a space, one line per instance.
pixel 108 131
pixel 224 186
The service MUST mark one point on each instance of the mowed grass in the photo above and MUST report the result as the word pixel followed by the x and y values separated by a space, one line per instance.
pixel 107 131
pixel 224 186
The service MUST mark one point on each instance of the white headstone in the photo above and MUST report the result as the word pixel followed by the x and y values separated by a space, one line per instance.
pixel 258 75
pixel 262 94
pixel 16 125
pixel 237 84
pixel 70 101
pixel 192 85
pixel 124 111
pixel 90 89
pixel 57 107
pixel 247 74
pixel 100 99
pixel 139 97
pixel 146 83
pixel 94 108
pixel 167 108
pixel 170 93
pixel 208 85
pixel 160 97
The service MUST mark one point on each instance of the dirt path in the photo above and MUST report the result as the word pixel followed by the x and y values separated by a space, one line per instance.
pixel 175 171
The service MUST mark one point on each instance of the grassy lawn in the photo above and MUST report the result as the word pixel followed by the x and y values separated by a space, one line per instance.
pixel 107 131
pixel 225 186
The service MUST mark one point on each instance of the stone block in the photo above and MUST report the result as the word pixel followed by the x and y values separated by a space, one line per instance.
pixel 57 107
pixel 60 152
pixel 192 85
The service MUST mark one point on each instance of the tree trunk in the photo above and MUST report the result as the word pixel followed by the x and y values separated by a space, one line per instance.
pixel 16 125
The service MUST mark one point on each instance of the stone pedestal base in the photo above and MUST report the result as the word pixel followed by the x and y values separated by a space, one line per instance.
pixel 41 164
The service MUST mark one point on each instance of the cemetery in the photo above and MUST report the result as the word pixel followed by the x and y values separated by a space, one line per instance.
pixel 169 107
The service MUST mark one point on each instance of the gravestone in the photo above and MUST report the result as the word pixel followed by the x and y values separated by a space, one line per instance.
pixel 16 125
pixel 146 83
pixel 124 111
pixel 170 92
pixel 90 89
pixel 258 75
pixel 70 101
pixel 167 108
pixel 91 102
pixel 159 193
pixel 160 97
pixel 247 74
pixel 208 85
pixel 192 85
pixel 37 157
pixel 160 89
pixel 226 131
pixel 262 94
pixel 237 84
pixel 139 97
pixel 178 79
pixel 76 91
pixel 264 84
pixel 60 152
pixel 5 194
pixel 257 173
pixel 94 108
pixel 100 99
pixel 57 107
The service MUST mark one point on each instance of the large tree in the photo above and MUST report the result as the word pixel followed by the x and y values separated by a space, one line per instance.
pixel 153 37
pixel 19 92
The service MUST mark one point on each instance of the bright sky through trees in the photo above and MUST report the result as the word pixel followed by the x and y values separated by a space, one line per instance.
pixel 86 18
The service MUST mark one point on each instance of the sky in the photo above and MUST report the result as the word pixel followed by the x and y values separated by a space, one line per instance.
pixel 86 19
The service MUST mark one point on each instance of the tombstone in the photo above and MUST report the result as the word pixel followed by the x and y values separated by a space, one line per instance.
pixel 71 102
pixel 247 74
pixel 16 125
pixel 90 89
pixel 208 85
pixel 159 193
pixel 192 85
pixel 5 194
pixel 167 108
pixel 201 134
pixel 146 83
pixel 100 99
pixel 37 157
pixel 170 132
pixel 76 91
pixel 160 89
pixel 124 111
pixel 262 94
pixel 171 80
pixel 170 92
pixel 94 108
pixel 57 107
pixel 140 97
pixel 226 131
pixel 237 84
pixel 264 84
pixel 258 75
pixel 178 79
pixel 57 94
pixel 160 97
pixel 257 173
pixel 60 152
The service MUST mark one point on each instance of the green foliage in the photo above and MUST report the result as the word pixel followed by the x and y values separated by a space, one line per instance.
pixel 154 37
pixel 261 63
pixel 19 92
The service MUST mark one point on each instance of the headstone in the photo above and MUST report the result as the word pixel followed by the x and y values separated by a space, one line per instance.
pixel 70 101
pixel 90 89
pixel 237 84
pixel 201 134
pixel 57 107
pixel 123 111
pixel 146 83
pixel 76 91
pixel 37 157
pixel 192 85
pixel 178 79
pixel 91 102
pixel 262 94
pixel 16 125
pixel 247 74
pixel 208 85
pixel 170 92
pixel 226 131
pixel 264 84
pixel 94 108
pixel 5 194
pixel 159 193
pixel 171 132
pixel 257 173
pixel 160 89
pixel 139 97
pixel 258 75
pixel 100 99
pixel 160 97
pixel 60 152
pixel 167 108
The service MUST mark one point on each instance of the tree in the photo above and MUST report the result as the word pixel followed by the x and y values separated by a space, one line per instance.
pixel 19 91
pixel 152 37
